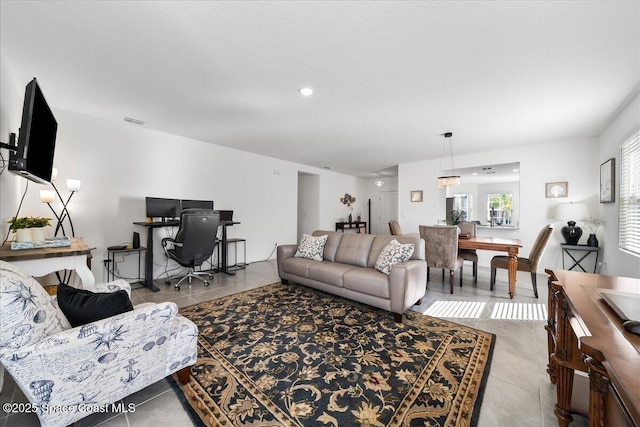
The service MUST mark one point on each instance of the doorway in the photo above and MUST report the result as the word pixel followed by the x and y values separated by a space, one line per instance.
pixel 308 203
pixel 387 210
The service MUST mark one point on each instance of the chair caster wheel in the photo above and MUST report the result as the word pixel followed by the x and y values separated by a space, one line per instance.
pixel 167 283
pixel 177 288
pixel 206 283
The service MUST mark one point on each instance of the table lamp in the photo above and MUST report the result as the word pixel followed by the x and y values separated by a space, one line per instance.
pixel 566 212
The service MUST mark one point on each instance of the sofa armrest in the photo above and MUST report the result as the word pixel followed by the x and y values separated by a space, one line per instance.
pixel 407 284
pixel 284 252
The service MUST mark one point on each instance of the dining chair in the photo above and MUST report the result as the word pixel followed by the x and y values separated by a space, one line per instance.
pixel 441 250
pixel 468 230
pixel 529 264
pixel 394 228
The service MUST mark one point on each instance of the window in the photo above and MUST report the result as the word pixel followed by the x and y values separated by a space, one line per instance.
pixel 462 203
pixel 629 228
pixel 500 208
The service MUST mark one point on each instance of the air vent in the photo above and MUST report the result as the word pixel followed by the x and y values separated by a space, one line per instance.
pixel 135 121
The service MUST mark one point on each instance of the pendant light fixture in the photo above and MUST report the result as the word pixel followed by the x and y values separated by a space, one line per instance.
pixel 448 180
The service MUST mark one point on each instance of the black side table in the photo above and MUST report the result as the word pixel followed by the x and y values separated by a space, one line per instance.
pixel 111 275
pixel 586 249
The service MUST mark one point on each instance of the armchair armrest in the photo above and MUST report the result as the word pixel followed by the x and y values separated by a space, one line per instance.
pixel 114 286
pixel 133 327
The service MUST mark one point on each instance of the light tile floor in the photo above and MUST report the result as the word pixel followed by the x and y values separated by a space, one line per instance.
pixel 518 391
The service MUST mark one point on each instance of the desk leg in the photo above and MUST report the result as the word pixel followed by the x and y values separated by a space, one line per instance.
pixel 513 269
pixel 148 262
pixel 223 250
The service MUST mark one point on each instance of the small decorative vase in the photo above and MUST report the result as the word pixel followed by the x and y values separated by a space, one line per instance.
pixel 359 220
pixel 23 235
pixel 592 240
pixel 37 234
pixel 571 233
pixel 350 219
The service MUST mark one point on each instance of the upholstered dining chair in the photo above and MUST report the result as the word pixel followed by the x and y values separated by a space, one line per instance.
pixel 67 372
pixel 194 242
pixel 468 230
pixel 441 250
pixel 394 228
pixel 529 264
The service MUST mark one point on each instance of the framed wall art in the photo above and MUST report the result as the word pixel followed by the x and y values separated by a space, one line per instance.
pixel 556 189
pixel 607 181
pixel 416 196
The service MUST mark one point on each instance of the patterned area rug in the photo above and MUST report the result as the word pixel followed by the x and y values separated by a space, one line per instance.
pixel 288 355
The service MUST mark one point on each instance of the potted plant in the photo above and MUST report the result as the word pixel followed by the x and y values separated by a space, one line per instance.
pixel 29 229
pixel 592 224
pixel 457 217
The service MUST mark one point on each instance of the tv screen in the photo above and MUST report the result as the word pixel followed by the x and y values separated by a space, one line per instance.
pixel 197 204
pixel 33 158
pixel 162 208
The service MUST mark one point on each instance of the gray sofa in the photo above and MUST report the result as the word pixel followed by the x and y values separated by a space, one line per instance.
pixel 348 270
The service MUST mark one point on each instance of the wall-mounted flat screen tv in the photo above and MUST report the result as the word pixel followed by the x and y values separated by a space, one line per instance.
pixel 33 158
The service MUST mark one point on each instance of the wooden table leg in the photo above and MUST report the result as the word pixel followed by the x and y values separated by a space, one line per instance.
pixel 513 269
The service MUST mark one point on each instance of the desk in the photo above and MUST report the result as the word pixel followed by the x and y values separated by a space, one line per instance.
pixel 43 261
pixel 510 246
pixel 588 250
pixel 223 247
pixel 585 334
pixel 351 226
pixel 148 260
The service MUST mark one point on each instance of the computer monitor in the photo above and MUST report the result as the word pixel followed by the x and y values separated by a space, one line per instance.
pixel 162 208
pixel 197 204
pixel 226 215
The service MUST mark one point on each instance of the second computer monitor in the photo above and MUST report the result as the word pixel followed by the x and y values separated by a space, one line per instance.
pixel 162 208
pixel 197 204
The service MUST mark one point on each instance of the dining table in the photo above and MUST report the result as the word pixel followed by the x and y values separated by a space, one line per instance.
pixel 499 244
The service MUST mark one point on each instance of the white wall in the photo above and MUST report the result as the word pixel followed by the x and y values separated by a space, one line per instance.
pixel 572 161
pixel 119 164
pixel 622 126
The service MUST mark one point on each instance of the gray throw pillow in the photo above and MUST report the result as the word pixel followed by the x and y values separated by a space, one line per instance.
pixel 311 247
pixel 392 254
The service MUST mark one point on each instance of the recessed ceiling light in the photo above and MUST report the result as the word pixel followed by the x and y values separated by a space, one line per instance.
pixel 306 91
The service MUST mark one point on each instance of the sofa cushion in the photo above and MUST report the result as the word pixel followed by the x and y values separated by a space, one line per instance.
pixel 82 306
pixel 330 272
pixel 311 247
pixel 333 241
pixel 354 249
pixel 298 266
pixel 392 254
pixel 368 281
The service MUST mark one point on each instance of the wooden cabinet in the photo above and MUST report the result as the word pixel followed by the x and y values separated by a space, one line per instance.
pixel 585 334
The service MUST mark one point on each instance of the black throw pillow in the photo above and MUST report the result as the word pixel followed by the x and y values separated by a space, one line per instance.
pixel 81 306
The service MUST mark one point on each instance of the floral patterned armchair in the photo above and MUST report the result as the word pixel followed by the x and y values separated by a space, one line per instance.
pixel 67 373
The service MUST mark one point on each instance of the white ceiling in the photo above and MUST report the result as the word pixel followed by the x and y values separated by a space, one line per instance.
pixel 389 76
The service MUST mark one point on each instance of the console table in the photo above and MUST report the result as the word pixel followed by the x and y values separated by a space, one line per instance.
pixel 42 261
pixel 587 250
pixel 585 334
pixel 341 226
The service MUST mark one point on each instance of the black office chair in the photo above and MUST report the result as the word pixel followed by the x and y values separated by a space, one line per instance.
pixel 194 242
